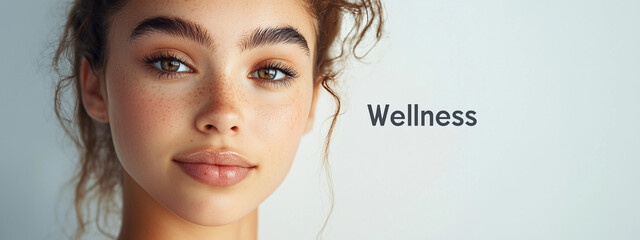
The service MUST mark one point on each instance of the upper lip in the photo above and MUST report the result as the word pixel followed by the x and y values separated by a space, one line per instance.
pixel 210 156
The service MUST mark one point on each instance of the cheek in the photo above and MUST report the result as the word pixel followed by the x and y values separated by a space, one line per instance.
pixel 143 110
pixel 278 127
pixel 141 115
pixel 279 122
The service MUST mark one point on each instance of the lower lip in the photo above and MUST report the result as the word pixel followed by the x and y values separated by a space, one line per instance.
pixel 215 175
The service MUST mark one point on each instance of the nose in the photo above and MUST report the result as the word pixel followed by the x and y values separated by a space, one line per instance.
pixel 219 112
pixel 223 123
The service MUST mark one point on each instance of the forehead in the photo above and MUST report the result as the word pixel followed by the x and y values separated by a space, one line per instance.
pixel 227 20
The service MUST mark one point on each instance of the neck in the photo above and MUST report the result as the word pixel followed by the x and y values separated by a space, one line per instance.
pixel 144 218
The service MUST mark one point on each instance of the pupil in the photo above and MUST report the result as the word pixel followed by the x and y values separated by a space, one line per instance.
pixel 267 73
pixel 169 65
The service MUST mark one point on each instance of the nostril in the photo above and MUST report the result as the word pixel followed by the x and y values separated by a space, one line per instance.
pixel 210 126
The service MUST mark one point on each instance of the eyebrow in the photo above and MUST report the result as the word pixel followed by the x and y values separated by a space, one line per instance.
pixel 273 36
pixel 179 27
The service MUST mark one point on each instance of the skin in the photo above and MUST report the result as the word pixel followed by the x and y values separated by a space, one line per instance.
pixel 218 105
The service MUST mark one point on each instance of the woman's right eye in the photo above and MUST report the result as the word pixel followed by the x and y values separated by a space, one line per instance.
pixel 168 64
pixel 171 65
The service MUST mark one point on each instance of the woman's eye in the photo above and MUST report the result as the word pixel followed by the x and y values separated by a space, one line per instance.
pixel 171 65
pixel 269 74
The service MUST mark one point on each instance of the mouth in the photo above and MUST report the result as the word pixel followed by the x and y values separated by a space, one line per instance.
pixel 221 169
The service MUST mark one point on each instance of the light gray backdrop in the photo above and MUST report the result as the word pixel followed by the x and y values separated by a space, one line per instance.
pixel 554 154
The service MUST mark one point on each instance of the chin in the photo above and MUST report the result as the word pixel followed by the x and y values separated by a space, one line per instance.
pixel 212 212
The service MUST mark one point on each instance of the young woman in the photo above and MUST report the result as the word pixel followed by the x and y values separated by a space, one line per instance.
pixel 193 110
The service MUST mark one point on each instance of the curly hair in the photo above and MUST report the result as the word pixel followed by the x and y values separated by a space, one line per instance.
pixel 98 179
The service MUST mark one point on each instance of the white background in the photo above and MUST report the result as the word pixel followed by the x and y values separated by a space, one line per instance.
pixel 554 154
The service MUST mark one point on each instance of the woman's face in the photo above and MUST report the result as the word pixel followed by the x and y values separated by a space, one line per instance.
pixel 207 100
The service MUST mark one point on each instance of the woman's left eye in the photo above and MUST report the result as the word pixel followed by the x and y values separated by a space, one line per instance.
pixel 171 65
pixel 269 74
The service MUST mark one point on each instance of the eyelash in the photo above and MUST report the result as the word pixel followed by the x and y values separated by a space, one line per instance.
pixel 286 69
pixel 150 60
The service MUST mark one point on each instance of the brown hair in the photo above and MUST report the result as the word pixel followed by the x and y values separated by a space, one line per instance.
pixel 99 175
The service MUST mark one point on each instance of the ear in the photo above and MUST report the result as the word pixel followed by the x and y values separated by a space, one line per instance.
pixel 93 93
pixel 314 101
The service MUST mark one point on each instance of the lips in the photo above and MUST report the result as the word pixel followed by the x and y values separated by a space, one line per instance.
pixel 215 168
